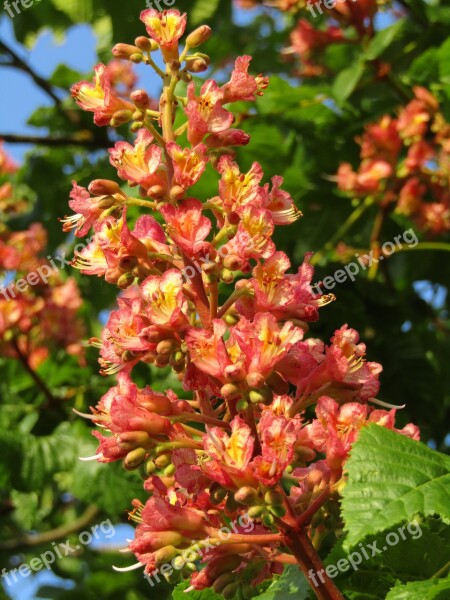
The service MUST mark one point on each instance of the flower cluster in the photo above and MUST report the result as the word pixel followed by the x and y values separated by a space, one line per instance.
pixel 208 295
pixel 340 22
pixel 406 164
pixel 41 315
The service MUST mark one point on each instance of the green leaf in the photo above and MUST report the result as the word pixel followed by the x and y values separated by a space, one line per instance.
pixel 202 11
pixel 392 478
pixel 382 40
pixel 347 80
pixel 433 589
pixel 444 62
pixel 78 11
pixel 180 594
pixel 292 585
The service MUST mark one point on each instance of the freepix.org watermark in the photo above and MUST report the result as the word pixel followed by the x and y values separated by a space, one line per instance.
pixel 18 6
pixel 200 548
pixel 42 273
pixel 329 4
pixel 366 552
pixel 158 3
pixel 61 550
pixel 352 269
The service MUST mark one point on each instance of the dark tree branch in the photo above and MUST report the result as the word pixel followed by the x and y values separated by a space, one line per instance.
pixel 52 402
pixel 18 63
pixel 64 531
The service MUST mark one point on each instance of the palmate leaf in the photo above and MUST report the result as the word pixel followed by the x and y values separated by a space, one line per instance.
pixel 292 585
pixel 392 479
pixel 432 589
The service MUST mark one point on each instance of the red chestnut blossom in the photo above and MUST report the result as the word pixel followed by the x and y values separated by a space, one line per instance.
pixel 99 97
pixel 205 112
pixel 245 434
pixel 140 164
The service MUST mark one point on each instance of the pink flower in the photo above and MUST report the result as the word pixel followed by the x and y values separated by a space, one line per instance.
pixel 99 97
pixel 243 86
pixel 187 226
pixel 166 28
pixel 230 454
pixel 278 438
pixel 141 164
pixel 284 296
pixel 189 164
pixel 205 112
pixel 166 306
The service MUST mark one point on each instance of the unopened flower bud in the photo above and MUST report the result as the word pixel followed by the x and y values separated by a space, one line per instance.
pixel 126 263
pixel 137 58
pixel 222 581
pixel 107 203
pixel 255 511
pixel 196 65
pixel 273 497
pixel 217 494
pixel 125 281
pixel 185 77
pixel 156 191
pixel 263 396
pixel 120 117
pixel 230 391
pixel 235 373
pixel 165 555
pixel 242 404
pixel 140 99
pixel 231 505
pixel 199 36
pixel 255 380
pixel 138 115
pixel 277 511
pixel 176 192
pixel 145 44
pixel 163 461
pixel 231 319
pixel 246 496
pixel 232 262
pixel 134 458
pixel 129 440
pixel 126 51
pixel 166 347
pixel 150 467
pixel 268 519
pixel 134 127
pixel 162 360
pixel 103 187
pixel 227 276
pixel 177 358
pixel 229 592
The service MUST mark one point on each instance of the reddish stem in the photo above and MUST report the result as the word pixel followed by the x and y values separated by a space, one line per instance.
pixel 311 564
